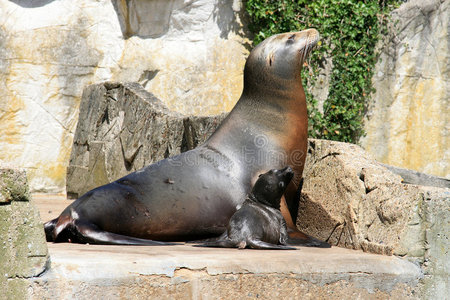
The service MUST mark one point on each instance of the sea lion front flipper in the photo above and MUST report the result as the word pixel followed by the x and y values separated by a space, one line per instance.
pixel 49 227
pixel 258 244
pixel 298 238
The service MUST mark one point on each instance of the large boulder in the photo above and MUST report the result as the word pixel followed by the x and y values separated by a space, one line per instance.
pixel 408 118
pixel 352 201
pixel 123 128
pixel 23 250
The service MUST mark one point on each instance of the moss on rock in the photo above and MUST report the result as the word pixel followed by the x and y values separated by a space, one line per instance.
pixel 23 250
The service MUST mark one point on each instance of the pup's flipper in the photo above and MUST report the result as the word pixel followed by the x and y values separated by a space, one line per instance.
pixel 213 239
pixel 218 244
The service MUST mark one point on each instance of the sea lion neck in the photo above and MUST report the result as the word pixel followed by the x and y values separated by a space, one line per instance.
pixel 261 82
pixel 283 93
pixel 269 123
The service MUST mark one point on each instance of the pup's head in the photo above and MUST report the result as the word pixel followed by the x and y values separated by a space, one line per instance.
pixel 270 186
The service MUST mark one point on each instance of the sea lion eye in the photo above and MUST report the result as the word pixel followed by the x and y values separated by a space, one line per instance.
pixel 291 39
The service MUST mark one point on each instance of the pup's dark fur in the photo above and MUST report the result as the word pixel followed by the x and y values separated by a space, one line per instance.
pixel 258 223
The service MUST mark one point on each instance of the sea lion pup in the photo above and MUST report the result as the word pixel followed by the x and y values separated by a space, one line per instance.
pixel 193 195
pixel 258 224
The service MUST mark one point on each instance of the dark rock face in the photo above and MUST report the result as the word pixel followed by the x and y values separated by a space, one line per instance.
pixel 123 128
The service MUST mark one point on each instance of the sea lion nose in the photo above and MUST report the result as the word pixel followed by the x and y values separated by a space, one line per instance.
pixel 287 171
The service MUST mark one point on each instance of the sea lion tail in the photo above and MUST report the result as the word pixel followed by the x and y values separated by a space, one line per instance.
pixel 66 228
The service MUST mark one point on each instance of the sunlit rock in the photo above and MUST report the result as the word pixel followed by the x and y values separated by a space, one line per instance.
pixel 408 121
pixel 190 54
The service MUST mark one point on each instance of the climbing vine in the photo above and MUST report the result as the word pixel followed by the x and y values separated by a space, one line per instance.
pixel 349 32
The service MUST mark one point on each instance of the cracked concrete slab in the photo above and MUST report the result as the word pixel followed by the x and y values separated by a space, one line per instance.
pixel 319 266
pixel 183 271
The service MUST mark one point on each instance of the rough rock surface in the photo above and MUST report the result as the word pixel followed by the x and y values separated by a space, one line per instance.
pixel 352 201
pixel 123 128
pixel 408 121
pixel 190 54
pixel 23 250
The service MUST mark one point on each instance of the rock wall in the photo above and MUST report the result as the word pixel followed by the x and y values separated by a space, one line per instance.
pixel 408 120
pixel 23 250
pixel 125 128
pixel 190 54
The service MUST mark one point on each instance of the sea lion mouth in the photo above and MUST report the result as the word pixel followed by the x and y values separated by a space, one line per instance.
pixel 312 39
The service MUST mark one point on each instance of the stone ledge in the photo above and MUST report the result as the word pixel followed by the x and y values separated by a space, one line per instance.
pixel 127 272
pixel 173 271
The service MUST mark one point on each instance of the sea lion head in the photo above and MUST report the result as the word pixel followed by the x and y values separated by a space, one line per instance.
pixel 277 61
pixel 270 186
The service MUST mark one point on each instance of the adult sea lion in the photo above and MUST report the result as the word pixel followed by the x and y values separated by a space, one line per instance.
pixel 258 223
pixel 194 194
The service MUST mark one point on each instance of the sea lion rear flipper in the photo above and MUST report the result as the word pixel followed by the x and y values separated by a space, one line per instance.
pixel 90 233
pixel 258 244
pixel 49 227
pixel 65 228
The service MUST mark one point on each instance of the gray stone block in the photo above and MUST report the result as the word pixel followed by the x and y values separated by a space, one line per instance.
pixel 23 250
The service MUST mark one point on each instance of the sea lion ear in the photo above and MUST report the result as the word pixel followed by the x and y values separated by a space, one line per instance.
pixel 281 184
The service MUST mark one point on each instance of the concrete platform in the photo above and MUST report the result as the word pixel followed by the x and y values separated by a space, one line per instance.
pixel 186 272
